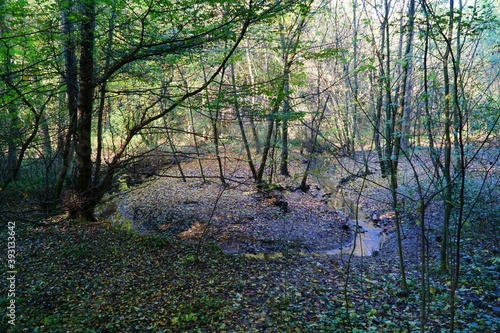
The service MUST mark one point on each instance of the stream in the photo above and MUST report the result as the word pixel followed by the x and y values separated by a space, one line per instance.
pixel 369 238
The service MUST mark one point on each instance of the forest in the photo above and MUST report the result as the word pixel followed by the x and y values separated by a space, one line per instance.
pixel 250 166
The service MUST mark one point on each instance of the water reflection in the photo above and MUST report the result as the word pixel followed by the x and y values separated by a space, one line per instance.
pixel 369 238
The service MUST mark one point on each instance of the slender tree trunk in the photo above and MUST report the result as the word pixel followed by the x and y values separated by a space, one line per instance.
pixel 377 132
pixel 289 45
pixel 405 93
pixel 355 83
pixel 70 80
pixel 460 163
pixel 269 135
pixel 215 129
pixel 48 152
pixel 424 257
pixel 274 165
pixel 388 107
pixel 393 137
pixel 84 206
pixel 285 48
pixel 284 126
pixel 347 113
pixel 457 99
pixel 255 133
pixel 214 119
pixel 13 142
pixel 424 262
pixel 303 184
pixel 195 140
pixel 397 119
pixel 102 101
pixel 100 125
pixel 265 151
pixel 240 124
pixel 448 190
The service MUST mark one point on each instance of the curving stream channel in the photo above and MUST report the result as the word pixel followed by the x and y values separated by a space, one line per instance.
pixel 369 238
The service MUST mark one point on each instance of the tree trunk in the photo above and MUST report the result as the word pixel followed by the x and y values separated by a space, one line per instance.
pixel 71 81
pixel 214 121
pixel 448 190
pixel 285 48
pixel 303 183
pixel 13 143
pixel 269 135
pixel 284 126
pixel 289 45
pixel 84 206
pixel 377 132
pixel 265 151
pixel 13 115
pixel 193 129
pixel 102 102
pixel 255 133
pixel 240 124
pixel 355 83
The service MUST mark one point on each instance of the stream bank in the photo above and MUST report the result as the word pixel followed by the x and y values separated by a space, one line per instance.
pixel 246 222
pixel 371 231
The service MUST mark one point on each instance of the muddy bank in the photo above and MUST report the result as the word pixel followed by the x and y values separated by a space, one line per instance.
pixel 241 219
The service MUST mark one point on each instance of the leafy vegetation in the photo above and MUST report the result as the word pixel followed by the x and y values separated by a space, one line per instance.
pixel 96 278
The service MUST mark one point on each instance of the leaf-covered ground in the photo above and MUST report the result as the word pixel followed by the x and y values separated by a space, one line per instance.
pixel 75 277
pixel 241 220
pixel 108 277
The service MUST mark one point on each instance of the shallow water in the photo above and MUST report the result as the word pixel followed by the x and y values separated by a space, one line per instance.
pixel 369 239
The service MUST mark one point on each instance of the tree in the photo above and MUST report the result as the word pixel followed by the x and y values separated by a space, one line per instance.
pixel 290 42
pixel 211 24
pixel 70 80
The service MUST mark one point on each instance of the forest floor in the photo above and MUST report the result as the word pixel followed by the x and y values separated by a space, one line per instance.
pixel 240 218
pixel 194 256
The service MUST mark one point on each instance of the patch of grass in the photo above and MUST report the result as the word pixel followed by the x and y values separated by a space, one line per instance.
pixel 201 311
pixel 156 241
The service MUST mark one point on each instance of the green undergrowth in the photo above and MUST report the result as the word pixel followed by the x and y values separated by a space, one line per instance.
pixel 75 277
